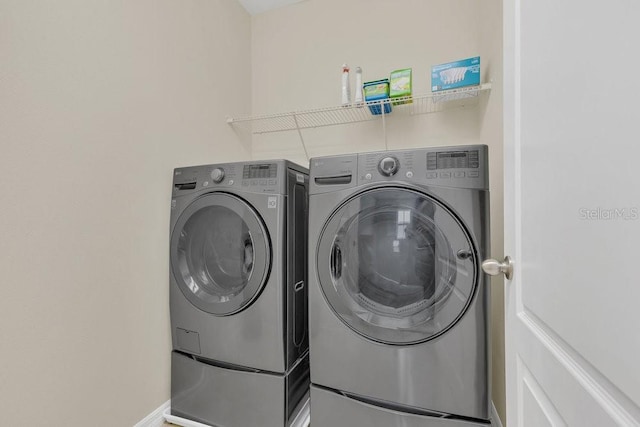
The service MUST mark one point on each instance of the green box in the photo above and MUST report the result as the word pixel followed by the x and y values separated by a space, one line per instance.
pixel 400 83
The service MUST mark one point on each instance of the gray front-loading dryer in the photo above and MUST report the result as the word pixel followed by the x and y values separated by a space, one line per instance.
pixel 238 292
pixel 399 305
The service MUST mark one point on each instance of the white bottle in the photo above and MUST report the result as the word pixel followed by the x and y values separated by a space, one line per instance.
pixel 359 99
pixel 346 90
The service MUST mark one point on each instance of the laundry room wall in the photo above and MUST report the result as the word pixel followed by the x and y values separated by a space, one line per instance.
pixel 297 53
pixel 99 101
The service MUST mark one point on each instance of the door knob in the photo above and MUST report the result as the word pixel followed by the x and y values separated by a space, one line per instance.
pixel 493 267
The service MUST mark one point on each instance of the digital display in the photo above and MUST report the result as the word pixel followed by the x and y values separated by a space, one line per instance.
pixel 453 160
pixel 267 170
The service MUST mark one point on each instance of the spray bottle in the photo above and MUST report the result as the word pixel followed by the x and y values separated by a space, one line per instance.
pixel 346 90
pixel 359 101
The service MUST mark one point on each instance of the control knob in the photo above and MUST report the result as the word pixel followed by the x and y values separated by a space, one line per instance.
pixel 389 166
pixel 217 175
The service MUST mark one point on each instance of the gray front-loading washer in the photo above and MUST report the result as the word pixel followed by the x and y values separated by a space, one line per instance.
pixel 399 305
pixel 238 293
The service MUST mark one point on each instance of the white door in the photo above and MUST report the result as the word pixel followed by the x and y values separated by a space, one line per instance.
pixel 572 194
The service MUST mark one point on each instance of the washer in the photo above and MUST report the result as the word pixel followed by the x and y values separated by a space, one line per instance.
pixel 399 305
pixel 238 293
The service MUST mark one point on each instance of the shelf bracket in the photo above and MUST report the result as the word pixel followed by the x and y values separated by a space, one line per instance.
pixel 304 146
pixel 384 126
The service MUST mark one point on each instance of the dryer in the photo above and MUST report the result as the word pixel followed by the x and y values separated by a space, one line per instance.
pixel 399 305
pixel 238 292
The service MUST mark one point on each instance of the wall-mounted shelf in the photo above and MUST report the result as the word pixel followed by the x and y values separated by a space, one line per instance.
pixel 340 115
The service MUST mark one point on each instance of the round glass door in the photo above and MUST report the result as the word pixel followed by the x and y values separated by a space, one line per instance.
pixel 220 255
pixel 396 266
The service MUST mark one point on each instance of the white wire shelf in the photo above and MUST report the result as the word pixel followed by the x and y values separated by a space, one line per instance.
pixel 332 116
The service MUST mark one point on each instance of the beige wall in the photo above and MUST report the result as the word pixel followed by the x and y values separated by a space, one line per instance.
pixel 297 54
pixel 99 101
pixel 298 51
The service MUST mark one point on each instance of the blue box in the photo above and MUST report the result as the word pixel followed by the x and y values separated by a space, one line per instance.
pixel 465 72
pixel 377 91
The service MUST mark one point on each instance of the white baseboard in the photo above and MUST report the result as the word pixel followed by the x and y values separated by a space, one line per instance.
pixel 156 418
pixel 183 422
pixel 495 418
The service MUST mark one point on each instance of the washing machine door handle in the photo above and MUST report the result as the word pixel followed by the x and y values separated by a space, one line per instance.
pixel 336 261
pixel 247 263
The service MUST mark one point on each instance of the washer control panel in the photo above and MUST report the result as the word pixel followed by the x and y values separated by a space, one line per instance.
pixel 458 166
pixel 260 171
pixel 254 177
pixel 388 166
pixel 217 175
pixel 459 159
pixel 259 175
